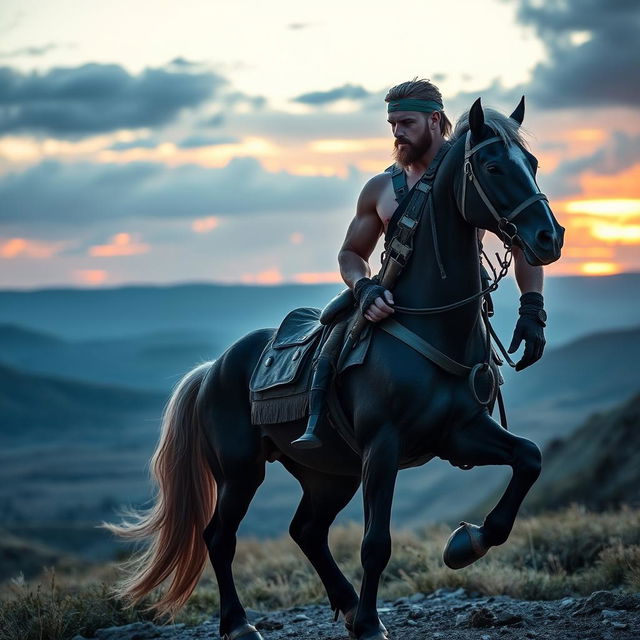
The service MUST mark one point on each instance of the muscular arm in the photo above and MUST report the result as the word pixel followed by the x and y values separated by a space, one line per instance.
pixel 359 243
pixel 362 236
pixel 528 278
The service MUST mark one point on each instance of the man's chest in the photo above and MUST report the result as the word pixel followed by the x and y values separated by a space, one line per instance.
pixel 387 203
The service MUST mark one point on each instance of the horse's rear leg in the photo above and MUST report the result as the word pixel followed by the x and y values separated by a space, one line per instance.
pixel 380 457
pixel 483 442
pixel 237 486
pixel 323 498
pixel 237 462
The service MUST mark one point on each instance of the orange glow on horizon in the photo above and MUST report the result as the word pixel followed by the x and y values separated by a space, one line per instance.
pixel 586 135
pixel 605 207
pixel 599 268
pixel 21 247
pixel 345 145
pixel 121 245
pixel 268 276
pixel 624 234
pixel 90 276
pixel 319 277
pixel 621 185
pixel 588 252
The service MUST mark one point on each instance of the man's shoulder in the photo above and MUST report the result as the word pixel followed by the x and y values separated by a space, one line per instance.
pixel 377 183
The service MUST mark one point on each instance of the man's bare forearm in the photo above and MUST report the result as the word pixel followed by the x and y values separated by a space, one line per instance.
pixel 352 267
pixel 528 277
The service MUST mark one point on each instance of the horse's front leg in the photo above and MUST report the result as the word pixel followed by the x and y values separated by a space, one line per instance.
pixel 483 441
pixel 380 459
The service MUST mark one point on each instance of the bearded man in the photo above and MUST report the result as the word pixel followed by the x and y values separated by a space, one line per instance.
pixel 420 127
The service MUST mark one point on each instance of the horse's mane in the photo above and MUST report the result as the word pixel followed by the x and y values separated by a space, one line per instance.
pixel 509 130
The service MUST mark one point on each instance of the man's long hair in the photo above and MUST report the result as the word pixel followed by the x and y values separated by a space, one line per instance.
pixel 421 89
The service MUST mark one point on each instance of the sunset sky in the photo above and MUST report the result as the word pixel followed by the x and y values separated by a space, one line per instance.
pixel 163 142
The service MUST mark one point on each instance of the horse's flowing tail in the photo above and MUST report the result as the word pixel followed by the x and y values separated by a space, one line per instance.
pixel 184 503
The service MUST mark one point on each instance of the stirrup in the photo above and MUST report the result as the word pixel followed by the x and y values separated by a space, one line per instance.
pixel 309 440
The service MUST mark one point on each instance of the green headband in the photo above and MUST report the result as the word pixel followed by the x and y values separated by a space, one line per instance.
pixel 413 104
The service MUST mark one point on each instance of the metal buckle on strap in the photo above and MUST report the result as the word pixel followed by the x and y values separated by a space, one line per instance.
pixel 408 222
pixel 423 186
pixel 399 249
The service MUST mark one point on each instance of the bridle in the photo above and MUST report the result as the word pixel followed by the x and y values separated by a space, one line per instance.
pixel 509 232
pixel 507 228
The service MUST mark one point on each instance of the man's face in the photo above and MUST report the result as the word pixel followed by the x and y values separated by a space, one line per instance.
pixel 412 136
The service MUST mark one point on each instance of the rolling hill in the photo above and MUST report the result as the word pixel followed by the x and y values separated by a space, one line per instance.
pixel 148 362
pixel 598 465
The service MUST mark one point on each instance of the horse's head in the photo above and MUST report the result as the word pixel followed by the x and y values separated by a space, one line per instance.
pixel 499 190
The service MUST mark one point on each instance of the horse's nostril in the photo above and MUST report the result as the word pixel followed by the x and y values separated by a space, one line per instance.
pixel 544 238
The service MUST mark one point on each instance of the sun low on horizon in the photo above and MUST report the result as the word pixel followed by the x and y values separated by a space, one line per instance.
pixel 165 144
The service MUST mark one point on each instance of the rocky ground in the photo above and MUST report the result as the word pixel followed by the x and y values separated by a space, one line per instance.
pixel 447 614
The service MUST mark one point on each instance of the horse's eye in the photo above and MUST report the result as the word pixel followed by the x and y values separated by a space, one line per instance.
pixel 491 168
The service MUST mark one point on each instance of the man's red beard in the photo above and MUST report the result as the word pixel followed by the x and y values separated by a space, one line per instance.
pixel 410 152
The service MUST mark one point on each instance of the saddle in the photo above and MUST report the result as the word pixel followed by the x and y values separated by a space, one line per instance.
pixel 281 380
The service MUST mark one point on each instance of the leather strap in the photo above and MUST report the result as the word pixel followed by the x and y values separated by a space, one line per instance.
pixel 240 631
pixel 400 247
pixel 399 181
pixel 469 176
pixel 423 347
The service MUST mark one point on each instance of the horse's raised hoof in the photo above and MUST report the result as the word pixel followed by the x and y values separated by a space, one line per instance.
pixel 246 632
pixel 464 546
pixel 381 634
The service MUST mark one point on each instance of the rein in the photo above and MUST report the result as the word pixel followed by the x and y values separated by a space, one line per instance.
pixel 509 231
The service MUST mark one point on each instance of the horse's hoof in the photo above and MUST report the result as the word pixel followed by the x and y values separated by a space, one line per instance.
pixel 246 632
pixel 464 546
pixel 348 625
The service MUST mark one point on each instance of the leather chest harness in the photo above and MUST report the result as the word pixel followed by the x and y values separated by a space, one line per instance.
pixel 399 248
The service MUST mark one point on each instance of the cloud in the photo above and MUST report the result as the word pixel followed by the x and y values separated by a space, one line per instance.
pixel 121 244
pixel 299 26
pixel 620 153
pixel 21 247
pixel 216 120
pixel 206 141
pixel 56 196
pixel 142 143
pixel 35 51
pixel 321 98
pixel 593 51
pixel 236 98
pixel 71 102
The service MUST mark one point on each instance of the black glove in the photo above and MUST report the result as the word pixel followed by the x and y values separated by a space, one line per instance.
pixel 529 328
pixel 366 290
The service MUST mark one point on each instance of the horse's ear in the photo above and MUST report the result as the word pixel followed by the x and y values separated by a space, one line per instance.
pixel 476 119
pixel 518 113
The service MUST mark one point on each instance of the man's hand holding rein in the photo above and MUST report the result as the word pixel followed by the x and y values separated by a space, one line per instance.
pixel 373 299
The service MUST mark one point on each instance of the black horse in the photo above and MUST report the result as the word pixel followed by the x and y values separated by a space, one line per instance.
pixel 403 408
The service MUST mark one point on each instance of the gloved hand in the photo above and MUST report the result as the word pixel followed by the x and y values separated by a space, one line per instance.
pixel 529 328
pixel 373 299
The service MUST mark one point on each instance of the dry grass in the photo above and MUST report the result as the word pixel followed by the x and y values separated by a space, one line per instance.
pixel 571 552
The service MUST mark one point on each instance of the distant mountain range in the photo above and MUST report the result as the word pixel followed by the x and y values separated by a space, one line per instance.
pixel 598 465
pixel 152 362
pixel 568 383
pixel 577 306
pixel 84 376
pixel 53 407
